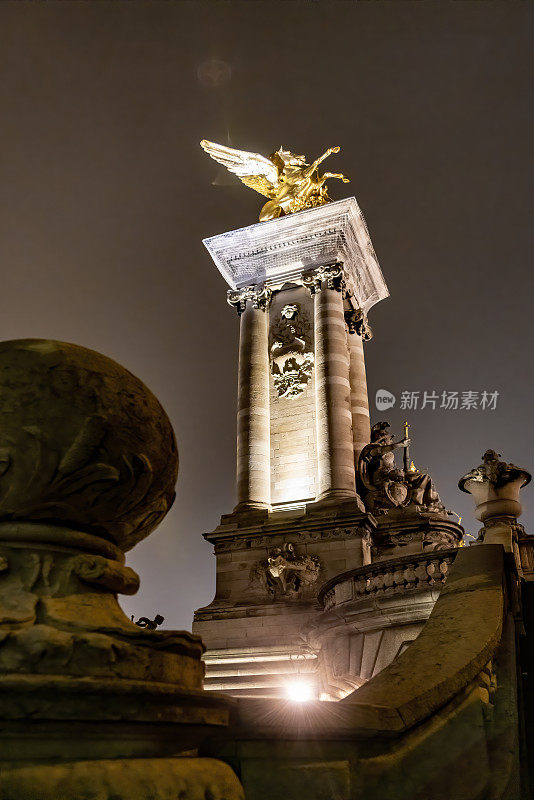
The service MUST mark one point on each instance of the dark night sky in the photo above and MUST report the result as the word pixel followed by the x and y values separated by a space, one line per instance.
pixel 105 197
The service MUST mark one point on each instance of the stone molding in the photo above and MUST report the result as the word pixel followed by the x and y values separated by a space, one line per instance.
pixel 277 251
pixel 191 779
pixel 244 541
pixel 430 538
pixel 526 554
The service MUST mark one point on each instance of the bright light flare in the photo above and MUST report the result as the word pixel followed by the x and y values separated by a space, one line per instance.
pixel 299 691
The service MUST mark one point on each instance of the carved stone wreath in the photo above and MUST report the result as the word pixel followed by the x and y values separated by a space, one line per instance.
pixel 291 351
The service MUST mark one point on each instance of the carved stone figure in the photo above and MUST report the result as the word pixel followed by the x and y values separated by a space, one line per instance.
pixel 284 573
pixel 387 485
pixel 290 183
pixel 291 352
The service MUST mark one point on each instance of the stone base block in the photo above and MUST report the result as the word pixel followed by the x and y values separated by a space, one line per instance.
pixel 125 779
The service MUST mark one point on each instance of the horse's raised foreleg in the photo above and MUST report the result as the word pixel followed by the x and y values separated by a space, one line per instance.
pixel 335 175
pixel 322 158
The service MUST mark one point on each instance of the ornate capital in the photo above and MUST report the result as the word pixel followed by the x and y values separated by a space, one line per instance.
pixel 260 296
pixel 329 277
pixel 356 320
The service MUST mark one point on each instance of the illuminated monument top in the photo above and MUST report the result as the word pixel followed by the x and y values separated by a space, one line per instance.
pixel 281 250
pixel 290 183
pixel 302 284
pixel 286 244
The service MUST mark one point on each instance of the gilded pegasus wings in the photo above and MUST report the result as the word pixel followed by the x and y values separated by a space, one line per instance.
pixel 254 170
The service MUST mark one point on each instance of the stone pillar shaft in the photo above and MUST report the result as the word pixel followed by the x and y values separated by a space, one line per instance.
pixel 335 454
pixel 253 434
pixel 361 426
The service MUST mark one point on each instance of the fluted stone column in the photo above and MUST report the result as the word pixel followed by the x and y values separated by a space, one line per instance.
pixel 335 453
pixel 359 331
pixel 253 422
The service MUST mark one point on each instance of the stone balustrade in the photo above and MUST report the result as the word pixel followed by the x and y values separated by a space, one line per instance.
pixel 408 573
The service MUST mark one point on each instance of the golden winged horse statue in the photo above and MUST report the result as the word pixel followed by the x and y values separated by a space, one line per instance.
pixel 290 183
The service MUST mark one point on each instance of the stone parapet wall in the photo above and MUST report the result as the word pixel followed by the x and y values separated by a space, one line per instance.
pixel 418 572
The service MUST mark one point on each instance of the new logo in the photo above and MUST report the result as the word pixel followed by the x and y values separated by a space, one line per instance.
pixel 384 399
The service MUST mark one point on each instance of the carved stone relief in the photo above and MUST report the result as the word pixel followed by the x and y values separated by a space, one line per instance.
pixel 357 323
pixel 291 351
pixel 285 574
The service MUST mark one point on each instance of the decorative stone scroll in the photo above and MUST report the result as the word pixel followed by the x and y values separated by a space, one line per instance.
pixel 260 296
pixel 331 276
pixel 291 351
pixel 357 323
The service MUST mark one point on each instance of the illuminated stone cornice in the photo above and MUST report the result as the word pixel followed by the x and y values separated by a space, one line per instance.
pixel 279 251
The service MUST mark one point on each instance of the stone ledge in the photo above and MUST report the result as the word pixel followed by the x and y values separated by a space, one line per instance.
pixel 331 595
